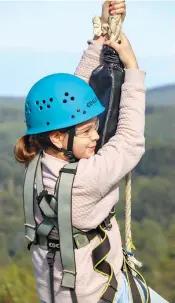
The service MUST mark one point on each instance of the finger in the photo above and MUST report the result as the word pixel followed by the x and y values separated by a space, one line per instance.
pixel 117 6
pixel 114 8
pixel 117 2
pixel 118 11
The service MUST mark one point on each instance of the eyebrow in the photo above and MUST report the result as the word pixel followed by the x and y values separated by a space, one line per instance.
pixel 84 127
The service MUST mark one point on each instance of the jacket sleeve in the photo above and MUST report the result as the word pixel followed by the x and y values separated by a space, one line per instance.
pixel 124 150
pixel 90 60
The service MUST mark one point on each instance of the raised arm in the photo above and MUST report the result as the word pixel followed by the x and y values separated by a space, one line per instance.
pixel 90 59
pixel 124 150
pixel 91 56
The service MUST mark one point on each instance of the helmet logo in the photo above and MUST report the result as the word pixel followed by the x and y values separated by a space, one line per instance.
pixel 93 101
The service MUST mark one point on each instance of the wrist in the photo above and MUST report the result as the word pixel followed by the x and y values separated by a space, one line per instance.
pixel 132 65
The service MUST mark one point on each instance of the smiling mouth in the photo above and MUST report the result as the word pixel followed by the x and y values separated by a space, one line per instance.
pixel 93 147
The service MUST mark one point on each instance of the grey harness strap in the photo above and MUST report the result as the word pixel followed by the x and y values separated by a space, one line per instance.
pixel 30 191
pixel 64 198
pixel 28 198
pixel 48 210
pixel 64 213
pixel 57 212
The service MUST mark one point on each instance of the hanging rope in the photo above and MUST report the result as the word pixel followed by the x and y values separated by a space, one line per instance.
pixel 113 29
pixel 129 246
pixel 128 237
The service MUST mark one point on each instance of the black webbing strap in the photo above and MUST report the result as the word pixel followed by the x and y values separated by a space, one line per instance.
pixel 101 265
pixel 73 295
pixel 127 270
pixel 50 261
pixel 136 297
pixel 69 151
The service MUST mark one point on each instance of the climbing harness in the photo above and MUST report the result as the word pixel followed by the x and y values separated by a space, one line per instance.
pixel 56 210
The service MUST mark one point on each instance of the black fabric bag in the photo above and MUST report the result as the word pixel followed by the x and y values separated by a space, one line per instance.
pixel 106 80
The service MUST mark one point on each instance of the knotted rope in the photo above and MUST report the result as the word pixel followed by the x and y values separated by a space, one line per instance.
pixel 112 28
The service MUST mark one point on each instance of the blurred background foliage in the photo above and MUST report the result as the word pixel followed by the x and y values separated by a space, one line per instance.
pixel 153 202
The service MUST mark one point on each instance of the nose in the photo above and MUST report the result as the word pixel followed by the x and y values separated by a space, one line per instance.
pixel 95 136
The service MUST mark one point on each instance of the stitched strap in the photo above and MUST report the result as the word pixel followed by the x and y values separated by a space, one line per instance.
pixel 28 199
pixel 64 198
pixel 101 265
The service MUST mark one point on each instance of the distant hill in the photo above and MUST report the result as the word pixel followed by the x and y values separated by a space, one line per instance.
pixel 156 96
pixel 161 95
pixel 10 99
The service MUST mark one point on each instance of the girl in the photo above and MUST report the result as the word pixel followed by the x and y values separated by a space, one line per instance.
pixel 62 123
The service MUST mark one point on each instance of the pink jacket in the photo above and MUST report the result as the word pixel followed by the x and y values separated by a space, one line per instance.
pixel 96 188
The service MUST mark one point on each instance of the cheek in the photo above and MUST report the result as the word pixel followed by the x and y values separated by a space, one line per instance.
pixel 81 148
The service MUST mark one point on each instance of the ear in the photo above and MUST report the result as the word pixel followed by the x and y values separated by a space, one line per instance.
pixel 57 138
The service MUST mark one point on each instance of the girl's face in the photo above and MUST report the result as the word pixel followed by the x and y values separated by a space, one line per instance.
pixel 85 139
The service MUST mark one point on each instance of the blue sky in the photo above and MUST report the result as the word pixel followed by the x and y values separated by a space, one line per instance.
pixel 42 37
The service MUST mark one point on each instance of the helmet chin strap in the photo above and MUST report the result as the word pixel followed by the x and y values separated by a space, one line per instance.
pixel 69 152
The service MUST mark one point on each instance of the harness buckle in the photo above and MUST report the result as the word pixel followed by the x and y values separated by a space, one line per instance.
pixel 81 240
pixel 127 253
pixel 107 223
pixel 50 258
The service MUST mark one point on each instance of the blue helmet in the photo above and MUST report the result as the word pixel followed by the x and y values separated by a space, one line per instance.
pixel 59 101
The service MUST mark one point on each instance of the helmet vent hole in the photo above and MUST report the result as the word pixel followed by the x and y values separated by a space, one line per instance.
pixel 66 94
pixel 48 106
pixel 84 112
pixel 41 107
pixel 72 98
pixel 44 101
pixel 64 101
pixel 48 123
pixel 37 102
pixel 51 99
pixel 73 116
pixel 78 110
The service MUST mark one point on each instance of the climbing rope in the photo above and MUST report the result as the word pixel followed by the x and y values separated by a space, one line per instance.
pixel 113 29
pixel 129 246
